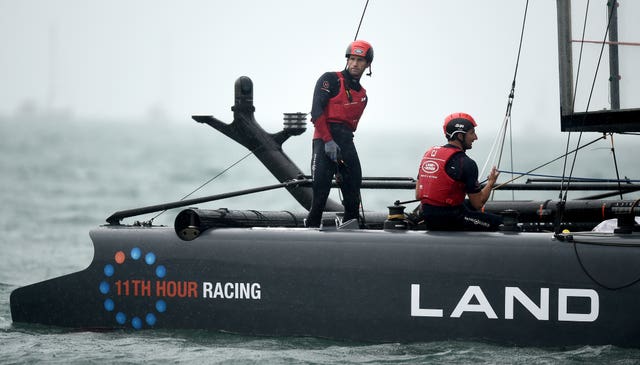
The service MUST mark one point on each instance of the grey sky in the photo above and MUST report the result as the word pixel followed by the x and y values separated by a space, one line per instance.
pixel 123 59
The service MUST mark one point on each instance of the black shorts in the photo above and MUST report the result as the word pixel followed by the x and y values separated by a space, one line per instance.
pixel 459 218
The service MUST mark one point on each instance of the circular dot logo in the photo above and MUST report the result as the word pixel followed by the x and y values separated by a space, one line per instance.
pixel 120 292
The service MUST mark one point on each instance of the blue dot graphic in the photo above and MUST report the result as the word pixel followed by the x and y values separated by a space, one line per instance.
pixel 104 287
pixel 136 323
pixel 161 306
pixel 112 304
pixel 109 305
pixel 136 253
pixel 151 319
pixel 150 258
pixel 161 271
pixel 121 318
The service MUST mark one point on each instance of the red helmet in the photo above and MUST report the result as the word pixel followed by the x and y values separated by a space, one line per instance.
pixel 457 123
pixel 360 48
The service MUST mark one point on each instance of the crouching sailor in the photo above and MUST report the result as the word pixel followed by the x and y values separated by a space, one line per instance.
pixel 446 175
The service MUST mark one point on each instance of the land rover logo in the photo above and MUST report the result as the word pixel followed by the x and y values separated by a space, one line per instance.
pixel 430 167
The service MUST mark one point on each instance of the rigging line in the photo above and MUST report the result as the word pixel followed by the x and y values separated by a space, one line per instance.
pixel 593 85
pixel 364 220
pixel 355 38
pixel 573 165
pixel 607 42
pixel 360 200
pixel 361 18
pixel 507 118
pixel 493 151
pixel 210 180
pixel 575 92
pixel 338 180
pixel 595 75
pixel 563 199
pixel 615 162
pixel 584 269
pixel 550 162
pixel 496 149
pixel 613 150
pixel 511 151
pixel 515 73
pixel 575 179
pixel 606 195
pixel 584 31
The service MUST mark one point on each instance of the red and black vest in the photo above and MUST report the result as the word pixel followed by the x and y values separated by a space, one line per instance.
pixel 435 186
pixel 346 107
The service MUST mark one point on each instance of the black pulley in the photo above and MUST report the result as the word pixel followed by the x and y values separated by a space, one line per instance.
pixel 396 220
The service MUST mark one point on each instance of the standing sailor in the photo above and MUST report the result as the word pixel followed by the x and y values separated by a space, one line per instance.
pixel 446 174
pixel 338 103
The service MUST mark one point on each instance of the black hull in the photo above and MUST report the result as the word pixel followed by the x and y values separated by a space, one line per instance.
pixel 363 285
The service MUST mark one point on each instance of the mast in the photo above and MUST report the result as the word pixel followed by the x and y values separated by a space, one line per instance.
pixel 613 120
pixel 614 73
pixel 565 57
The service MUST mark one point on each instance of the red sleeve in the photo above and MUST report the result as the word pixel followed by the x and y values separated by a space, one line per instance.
pixel 321 129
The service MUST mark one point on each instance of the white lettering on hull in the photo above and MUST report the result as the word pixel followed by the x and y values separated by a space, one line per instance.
pixel 474 300
pixel 464 305
pixel 563 297
pixel 231 290
pixel 511 294
pixel 416 311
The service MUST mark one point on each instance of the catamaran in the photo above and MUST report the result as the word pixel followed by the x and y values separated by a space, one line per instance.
pixel 546 278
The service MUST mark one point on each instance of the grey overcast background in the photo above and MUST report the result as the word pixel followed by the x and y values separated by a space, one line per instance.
pixel 143 59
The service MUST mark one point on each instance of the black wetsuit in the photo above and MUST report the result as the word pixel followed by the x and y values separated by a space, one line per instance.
pixel 347 170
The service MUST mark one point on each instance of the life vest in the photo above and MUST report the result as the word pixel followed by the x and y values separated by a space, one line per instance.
pixel 346 107
pixel 435 186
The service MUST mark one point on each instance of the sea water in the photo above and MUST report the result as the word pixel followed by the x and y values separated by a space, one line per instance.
pixel 61 177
